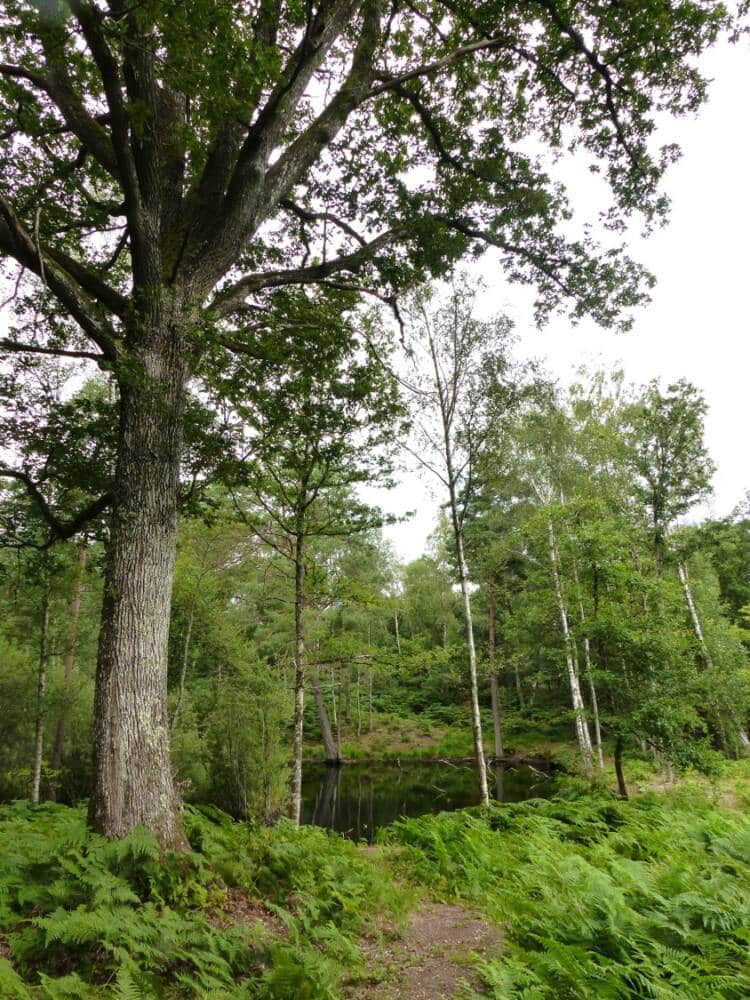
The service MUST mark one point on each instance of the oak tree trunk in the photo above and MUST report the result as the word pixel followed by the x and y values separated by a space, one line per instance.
pixel 132 772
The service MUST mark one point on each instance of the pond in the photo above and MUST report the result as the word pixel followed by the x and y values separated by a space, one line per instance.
pixel 357 799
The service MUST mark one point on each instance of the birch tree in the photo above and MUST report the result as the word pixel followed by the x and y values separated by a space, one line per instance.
pixel 462 368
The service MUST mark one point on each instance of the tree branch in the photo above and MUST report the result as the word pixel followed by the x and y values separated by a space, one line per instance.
pixel 232 298
pixel 391 81
pixel 16 346
pixel 59 530
pixel 307 147
pixel 59 88
pixel 602 70
pixel 89 281
pixel 308 216
pixel 15 241
pixel 90 20
pixel 222 225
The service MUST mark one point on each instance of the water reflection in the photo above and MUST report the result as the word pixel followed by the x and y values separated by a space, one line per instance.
pixel 357 799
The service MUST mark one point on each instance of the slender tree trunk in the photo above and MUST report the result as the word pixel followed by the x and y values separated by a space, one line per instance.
pixel 41 686
pixel 589 673
pixel 299 674
pixel 183 667
pixel 476 718
pixel 347 674
pixel 58 746
pixel 398 635
pixel 697 629
pixel 133 781
pixel 370 722
pixel 519 689
pixel 359 701
pixel 329 744
pixel 582 730
pixel 491 655
pixel 621 786
pixel 336 713
pixel 594 706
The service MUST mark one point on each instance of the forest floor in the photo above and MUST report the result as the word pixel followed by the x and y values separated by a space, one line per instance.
pixel 538 898
pixel 428 959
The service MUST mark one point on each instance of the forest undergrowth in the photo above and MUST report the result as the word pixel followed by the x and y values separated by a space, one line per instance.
pixel 596 898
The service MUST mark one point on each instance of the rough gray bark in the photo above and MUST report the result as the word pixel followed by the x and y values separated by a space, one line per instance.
pixel 58 746
pixel 299 675
pixel 132 771
pixel 36 770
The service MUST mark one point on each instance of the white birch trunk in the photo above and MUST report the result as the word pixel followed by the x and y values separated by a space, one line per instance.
pixel 36 771
pixel 589 674
pixel 475 716
pixel 582 729
pixel 299 676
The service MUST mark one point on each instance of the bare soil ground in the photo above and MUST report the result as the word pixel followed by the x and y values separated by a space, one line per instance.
pixel 429 959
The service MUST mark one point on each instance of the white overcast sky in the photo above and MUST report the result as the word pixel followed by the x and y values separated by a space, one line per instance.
pixel 697 323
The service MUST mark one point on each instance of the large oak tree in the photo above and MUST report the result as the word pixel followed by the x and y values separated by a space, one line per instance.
pixel 167 163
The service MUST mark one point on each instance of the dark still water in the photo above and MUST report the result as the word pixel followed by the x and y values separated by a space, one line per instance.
pixel 357 799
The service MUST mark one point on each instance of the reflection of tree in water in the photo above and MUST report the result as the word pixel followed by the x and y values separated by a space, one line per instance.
pixel 324 812
pixel 357 799
pixel 499 781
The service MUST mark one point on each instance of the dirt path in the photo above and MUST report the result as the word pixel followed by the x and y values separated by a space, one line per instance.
pixel 431 957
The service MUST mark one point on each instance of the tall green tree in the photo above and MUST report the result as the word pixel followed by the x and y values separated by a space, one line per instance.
pixel 319 409
pixel 669 455
pixel 463 378
pixel 165 166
